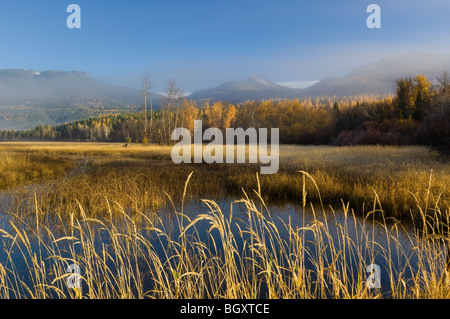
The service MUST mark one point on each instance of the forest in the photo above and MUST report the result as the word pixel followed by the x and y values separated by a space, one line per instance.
pixel 419 113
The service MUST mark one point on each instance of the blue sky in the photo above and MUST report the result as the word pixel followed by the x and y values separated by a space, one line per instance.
pixel 204 43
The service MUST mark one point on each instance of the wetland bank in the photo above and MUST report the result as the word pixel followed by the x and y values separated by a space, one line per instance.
pixel 140 226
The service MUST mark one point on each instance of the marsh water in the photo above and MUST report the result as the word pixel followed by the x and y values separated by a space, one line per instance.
pixel 374 241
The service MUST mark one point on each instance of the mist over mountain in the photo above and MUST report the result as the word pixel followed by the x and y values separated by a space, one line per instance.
pixel 29 98
pixel 379 77
pixel 48 88
pixel 253 88
pixel 375 78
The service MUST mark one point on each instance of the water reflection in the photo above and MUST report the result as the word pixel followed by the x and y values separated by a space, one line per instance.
pixel 329 236
pixel 372 242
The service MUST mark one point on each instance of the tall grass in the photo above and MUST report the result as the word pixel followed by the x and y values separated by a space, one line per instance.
pixel 139 254
pixel 20 169
pixel 404 178
pixel 120 214
pixel 400 176
pixel 349 173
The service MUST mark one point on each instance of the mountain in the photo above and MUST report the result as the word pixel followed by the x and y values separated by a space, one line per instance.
pixel 253 88
pixel 29 98
pixel 376 78
pixel 379 77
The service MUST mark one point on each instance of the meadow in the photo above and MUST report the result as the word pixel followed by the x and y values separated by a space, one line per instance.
pixel 125 215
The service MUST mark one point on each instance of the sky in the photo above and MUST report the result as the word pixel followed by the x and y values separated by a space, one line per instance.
pixel 205 43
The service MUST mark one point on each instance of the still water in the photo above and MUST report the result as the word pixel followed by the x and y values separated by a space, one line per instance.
pixel 372 243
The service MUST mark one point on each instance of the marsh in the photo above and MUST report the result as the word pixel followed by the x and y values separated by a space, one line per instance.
pixel 140 226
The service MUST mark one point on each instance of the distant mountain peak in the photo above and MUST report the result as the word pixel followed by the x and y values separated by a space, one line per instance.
pixel 379 77
pixel 261 80
pixel 255 87
pixel 31 97
pixel 376 78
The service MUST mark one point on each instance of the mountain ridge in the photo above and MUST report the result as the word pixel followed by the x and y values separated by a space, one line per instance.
pixel 254 87
pixel 379 77
pixel 31 97
pixel 376 78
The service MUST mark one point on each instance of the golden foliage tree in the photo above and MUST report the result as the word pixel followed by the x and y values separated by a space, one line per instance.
pixel 188 114
pixel 220 115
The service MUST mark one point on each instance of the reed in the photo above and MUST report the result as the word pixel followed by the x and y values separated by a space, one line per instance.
pixel 120 214
pixel 404 178
pixel 138 255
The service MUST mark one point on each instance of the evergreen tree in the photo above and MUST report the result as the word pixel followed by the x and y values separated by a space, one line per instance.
pixel 403 102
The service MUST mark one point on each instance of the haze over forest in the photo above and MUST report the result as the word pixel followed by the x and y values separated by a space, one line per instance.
pixel 33 97
pixel 51 73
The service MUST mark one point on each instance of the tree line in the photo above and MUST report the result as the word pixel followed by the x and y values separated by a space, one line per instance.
pixel 419 113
